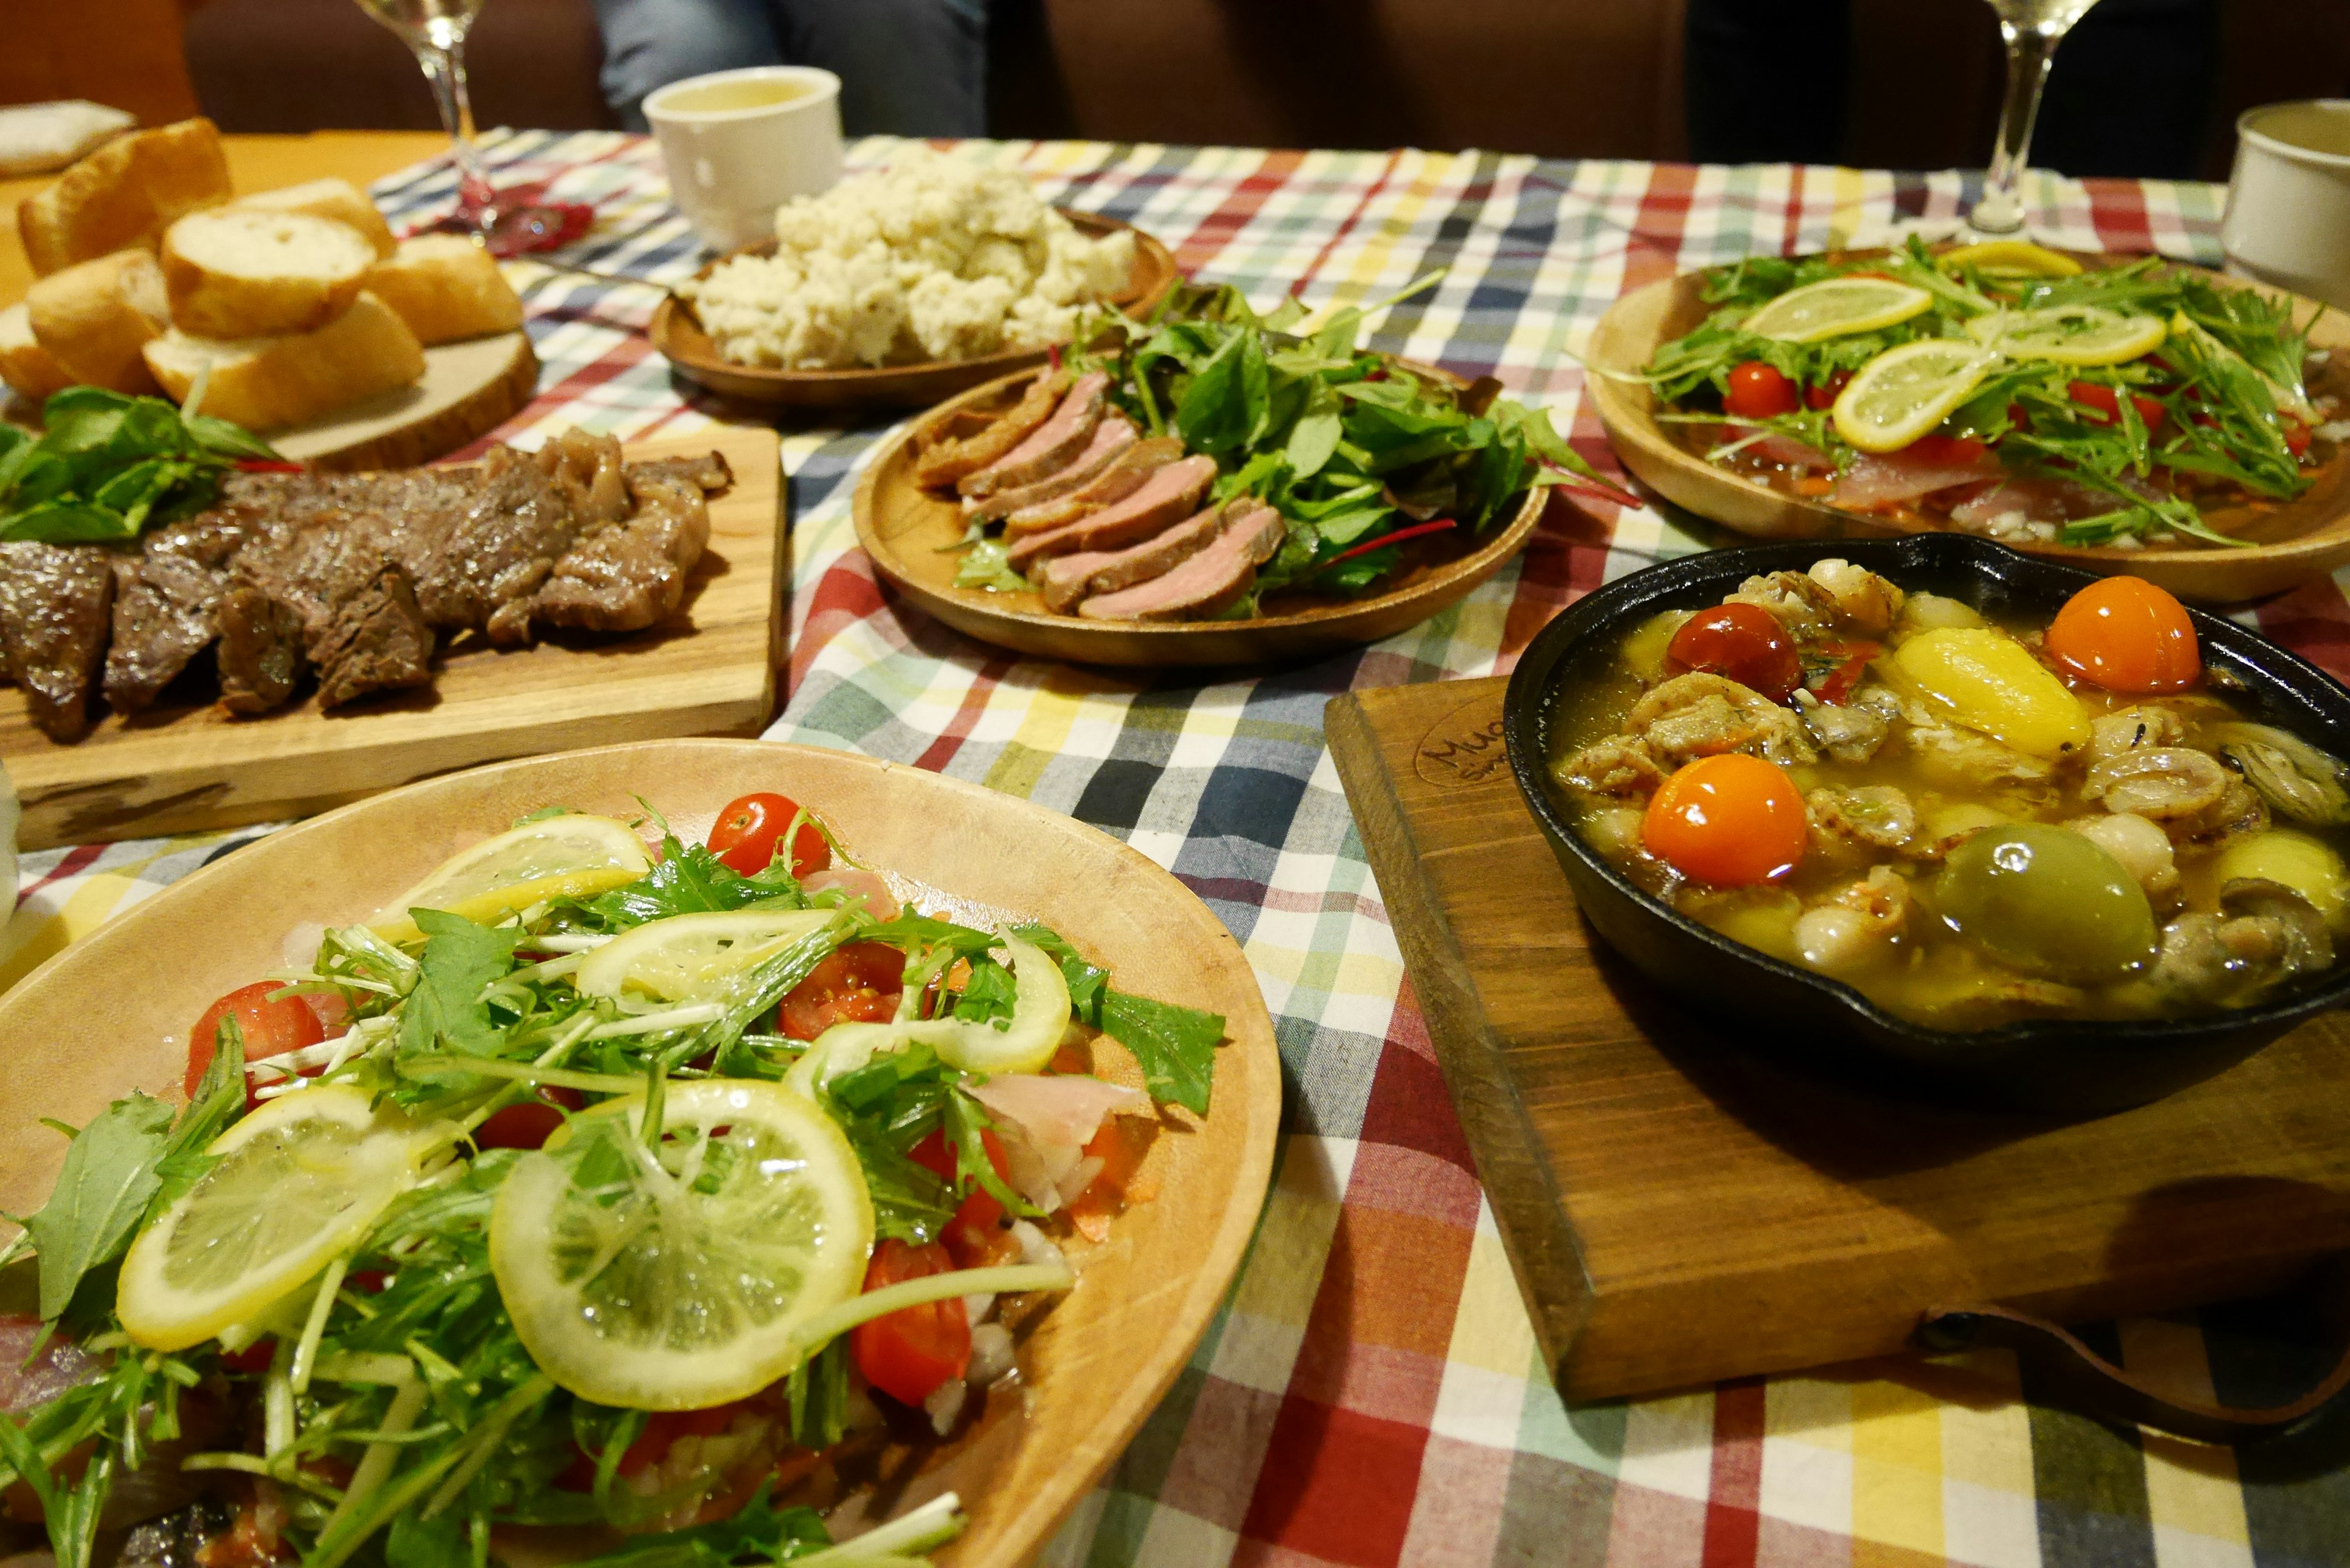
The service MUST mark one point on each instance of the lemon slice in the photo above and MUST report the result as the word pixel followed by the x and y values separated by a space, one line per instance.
pixel 2013 258
pixel 299 1181
pixel 691 958
pixel 679 1283
pixel 571 855
pixel 1905 392
pixel 1836 307
pixel 2069 334
pixel 1023 1044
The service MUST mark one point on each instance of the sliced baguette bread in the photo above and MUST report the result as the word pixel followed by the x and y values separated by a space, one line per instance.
pixel 250 273
pixel 125 193
pixel 27 368
pixel 94 318
pixel 446 288
pixel 268 383
pixel 336 199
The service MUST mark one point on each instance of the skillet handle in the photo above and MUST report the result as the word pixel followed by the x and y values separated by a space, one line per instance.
pixel 2082 1380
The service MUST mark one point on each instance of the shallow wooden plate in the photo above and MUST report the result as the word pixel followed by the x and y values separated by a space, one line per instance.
pixel 910 533
pixel 679 335
pixel 1098 1361
pixel 2305 539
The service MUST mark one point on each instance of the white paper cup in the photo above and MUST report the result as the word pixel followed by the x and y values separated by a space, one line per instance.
pixel 2288 219
pixel 730 168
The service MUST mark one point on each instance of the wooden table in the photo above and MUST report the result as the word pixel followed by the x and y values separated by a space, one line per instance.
pixel 255 164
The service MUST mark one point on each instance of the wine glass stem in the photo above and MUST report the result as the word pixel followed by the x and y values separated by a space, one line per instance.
pixel 444 60
pixel 2029 52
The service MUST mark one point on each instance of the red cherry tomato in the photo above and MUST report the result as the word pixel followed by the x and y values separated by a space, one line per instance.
pixel 270 1028
pixel 2126 635
pixel 745 834
pixel 909 1352
pixel 2296 437
pixel 2107 403
pixel 1757 391
pixel 859 983
pixel 1729 821
pixel 1742 643
pixel 1824 394
pixel 526 1124
pixel 974 1238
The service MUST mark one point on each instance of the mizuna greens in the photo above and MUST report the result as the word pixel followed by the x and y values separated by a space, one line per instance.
pixel 107 466
pixel 388 1401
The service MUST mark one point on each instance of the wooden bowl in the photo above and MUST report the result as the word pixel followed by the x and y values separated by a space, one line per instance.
pixel 910 534
pixel 1100 1359
pixel 678 334
pixel 2297 541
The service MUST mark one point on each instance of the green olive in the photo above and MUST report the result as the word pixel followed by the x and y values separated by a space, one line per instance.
pixel 2047 901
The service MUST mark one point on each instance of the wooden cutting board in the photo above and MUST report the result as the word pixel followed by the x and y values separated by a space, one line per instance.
pixel 1679 1208
pixel 187 765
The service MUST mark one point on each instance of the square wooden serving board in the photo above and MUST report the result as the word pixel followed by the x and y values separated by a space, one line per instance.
pixel 189 766
pixel 1680 1208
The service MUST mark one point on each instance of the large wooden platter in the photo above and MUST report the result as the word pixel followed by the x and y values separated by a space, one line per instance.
pixel 187 765
pixel 1680 1208
pixel 467 391
pixel 2293 543
pixel 679 335
pixel 1100 1359
pixel 910 535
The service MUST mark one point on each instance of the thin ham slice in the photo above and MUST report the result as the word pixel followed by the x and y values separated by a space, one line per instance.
pixel 1122 478
pixel 1164 499
pixel 879 901
pixel 61 1364
pixel 1788 452
pixel 1885 479
pixel 1055 442
pixel 1062 1109
pixel 1068 578
pixel 2039 501
pixel 1111 439
pixel 1203 584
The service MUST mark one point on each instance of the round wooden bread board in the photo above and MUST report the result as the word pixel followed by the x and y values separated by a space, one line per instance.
pixel 1094 1366
pixel 910 534
pixel 467 391
pixel 2295 542
pixel 679 335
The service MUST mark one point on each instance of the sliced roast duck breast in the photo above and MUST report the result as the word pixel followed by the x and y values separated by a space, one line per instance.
pixel 1162 499
pixel 1066 579
pixel 1122 478
pixel 952 459
pixel 1055 444
pixel 1205 582
pixel 1111 439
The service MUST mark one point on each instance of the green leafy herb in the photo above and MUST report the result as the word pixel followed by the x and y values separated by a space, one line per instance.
pixel 109 465
pixel 459 959
pixel 1176 1045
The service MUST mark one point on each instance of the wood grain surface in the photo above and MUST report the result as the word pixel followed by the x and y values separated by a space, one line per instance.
pixel 467 391
pixel 187 764
pixel 1680 1209
pixel 1100 1359
pixel 2294 541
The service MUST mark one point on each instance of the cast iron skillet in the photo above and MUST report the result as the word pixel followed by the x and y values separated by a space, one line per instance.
pixel 2048 1064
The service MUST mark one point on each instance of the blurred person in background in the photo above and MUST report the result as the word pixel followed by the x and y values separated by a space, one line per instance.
pixel 2131 90
pixel 907 68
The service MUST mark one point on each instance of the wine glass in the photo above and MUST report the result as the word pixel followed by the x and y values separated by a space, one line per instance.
pixel 508 222
pixel 2032 29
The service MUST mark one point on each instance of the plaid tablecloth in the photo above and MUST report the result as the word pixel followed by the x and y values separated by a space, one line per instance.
pixel 1372 1394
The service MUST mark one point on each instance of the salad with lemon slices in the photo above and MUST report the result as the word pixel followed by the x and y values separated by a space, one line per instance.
pixel 2006 390
pixel 582 1187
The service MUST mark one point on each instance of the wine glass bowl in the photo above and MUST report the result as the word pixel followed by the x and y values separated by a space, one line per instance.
pixel 2032 30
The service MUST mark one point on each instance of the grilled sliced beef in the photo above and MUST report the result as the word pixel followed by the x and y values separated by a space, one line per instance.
pixel 373 638
pixel 503 545
pixel 1165 498
pixel 1203 584
pixel 1054 445
pixel 632 574
pixel 957 457
pixel 164 606
pixel 707 474
pixel 1121 479
pixel 1112 439
pixel 1066 579
pixel 260 655
pixel 54 601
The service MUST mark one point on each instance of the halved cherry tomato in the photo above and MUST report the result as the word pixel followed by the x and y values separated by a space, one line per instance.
pixel 2126 635
pixel 2107 403
pixel 1729 821
pixel 1824 394
pixel 270 1028
pixel 254 1359
pixel 745 834
pixel 857 984
pixel 909 1352
pixel 1743 642
pixel 527 1124
pixel 1758 392
pixel 974 1238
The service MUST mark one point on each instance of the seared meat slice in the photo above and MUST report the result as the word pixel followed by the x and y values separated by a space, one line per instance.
pixel 953 458
pixel 162 618
pixel 707 474
pixel 1164 499
pixel 1066 579
pixel 1111 440
pixel 54 601
pixel 1056 443
pixel 1203 584
pixel 631 575
pixel 501 548
pixel 1122 478
pixel 260 653
pixel 374 638
pixel 586 468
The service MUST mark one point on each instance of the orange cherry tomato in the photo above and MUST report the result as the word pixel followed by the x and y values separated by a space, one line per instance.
pixel 2126 635
pixel 909 1353
pixel 269 1028
pixel 1729 821
pixel 857 984
pixel 747 834
pixel 1744 643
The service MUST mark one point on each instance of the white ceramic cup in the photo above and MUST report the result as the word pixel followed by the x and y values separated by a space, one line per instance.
pixel 2288 219
pixel 730 168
